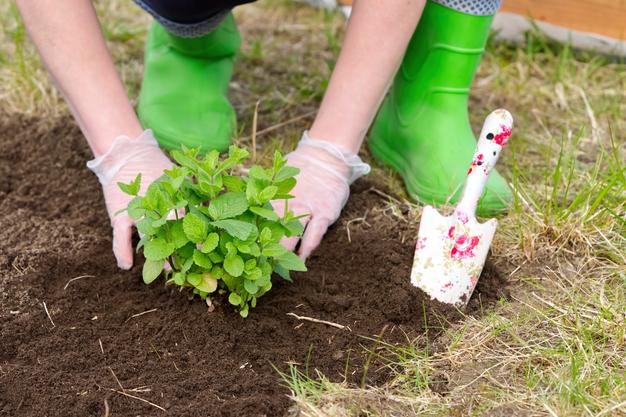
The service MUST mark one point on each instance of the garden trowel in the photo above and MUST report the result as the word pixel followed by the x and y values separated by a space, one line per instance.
pixel 451 251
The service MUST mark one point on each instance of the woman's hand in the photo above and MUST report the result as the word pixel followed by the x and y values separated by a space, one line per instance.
pixel 326 172
pixel 121 163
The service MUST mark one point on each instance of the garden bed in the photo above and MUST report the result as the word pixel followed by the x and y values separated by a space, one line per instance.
pixel 99 344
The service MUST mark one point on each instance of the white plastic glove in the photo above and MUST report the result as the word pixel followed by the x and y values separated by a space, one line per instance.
pixel 326 172
pixel 121 163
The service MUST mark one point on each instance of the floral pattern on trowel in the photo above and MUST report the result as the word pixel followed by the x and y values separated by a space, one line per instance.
pixel 451 251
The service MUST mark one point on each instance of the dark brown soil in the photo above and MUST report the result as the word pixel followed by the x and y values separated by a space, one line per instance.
pixel 53 227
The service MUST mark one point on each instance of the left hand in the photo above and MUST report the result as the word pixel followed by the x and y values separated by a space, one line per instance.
pixel 123 161
pixel 322 190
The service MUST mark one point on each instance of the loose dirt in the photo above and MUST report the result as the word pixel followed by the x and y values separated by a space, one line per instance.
pixel 95 343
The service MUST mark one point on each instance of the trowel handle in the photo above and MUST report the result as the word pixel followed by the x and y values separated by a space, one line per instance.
pixel 493 139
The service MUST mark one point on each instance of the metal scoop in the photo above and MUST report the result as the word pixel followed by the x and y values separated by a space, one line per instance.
pixel 450 252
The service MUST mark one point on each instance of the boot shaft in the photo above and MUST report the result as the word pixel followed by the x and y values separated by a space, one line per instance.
pixel 442 56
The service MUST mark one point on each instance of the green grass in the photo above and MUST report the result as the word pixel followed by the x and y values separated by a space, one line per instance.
pixel 557 347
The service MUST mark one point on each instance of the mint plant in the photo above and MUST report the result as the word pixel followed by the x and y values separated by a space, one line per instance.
pixel 215 226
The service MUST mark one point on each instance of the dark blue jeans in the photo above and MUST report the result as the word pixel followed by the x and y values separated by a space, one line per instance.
pixel 189 18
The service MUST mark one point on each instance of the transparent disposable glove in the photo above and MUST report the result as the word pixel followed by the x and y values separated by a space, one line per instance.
pixel 121 163
pixel 326 172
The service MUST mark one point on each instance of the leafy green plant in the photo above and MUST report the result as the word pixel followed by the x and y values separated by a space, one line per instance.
pixel 215 226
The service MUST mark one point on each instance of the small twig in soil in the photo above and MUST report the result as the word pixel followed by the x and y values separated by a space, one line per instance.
pixel 311 319
pixel 106 408
pixel 116 380
pixel 143 388
pixel 155 351
pixel 101 348
pixel 76 278
pixel 141 314
pixel 139 399
pixel 279 125
pixel 355 220
pixel 385 195
pixel 48 313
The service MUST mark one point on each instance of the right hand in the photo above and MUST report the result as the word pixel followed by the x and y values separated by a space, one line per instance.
pixel 121 163
pixel 322 190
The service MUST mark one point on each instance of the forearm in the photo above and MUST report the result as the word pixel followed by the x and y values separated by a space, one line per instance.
pixel 375 42
pixel 70 42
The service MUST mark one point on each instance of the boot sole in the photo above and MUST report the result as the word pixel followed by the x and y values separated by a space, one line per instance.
pixel 396 162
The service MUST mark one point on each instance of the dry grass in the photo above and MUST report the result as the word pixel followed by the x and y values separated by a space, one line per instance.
pixel 558 346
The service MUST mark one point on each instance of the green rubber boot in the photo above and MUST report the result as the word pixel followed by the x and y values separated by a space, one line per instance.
pixel 183 94
pixel 422 129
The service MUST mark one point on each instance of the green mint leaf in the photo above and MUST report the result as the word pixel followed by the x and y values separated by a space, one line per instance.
pixel 291 261
pixel 265 236
pixel 252 191
pixel 135 208
pixel 268 193
pixel 234 299
pixel 273 250
pixel 132 187
pixel 186 158
pixel 294 228
pixel 279 161
pixel 202 260
pixel 157 249
pixel 237 153
pixel 145 227
pixel 249 265
pixel 283 272
pixel 266 213
pixel 179 278
pixel 160 222
pixel 285 173
pixel 244 311
pixel 234 184
pixel 233 265
pixel 284 187
pixel 207 284
pixel 195 227
pixel 177 234
pixel 176 177
pixel 259 173
pixel 276 229
pixel 210 243
pixel 254 274
pixel 236 228
pixel 151 270
pixel 228 205
pixel 216 257
pixel 194 279
pixel 210 162
pixel 251 287
pixel 187 265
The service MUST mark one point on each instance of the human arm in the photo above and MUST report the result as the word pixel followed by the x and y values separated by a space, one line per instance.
pixel 68 37
pixel 374 44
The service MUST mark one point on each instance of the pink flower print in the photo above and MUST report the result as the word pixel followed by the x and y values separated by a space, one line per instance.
pixel 464 247
pixel 502 138
pixel 477 161
pixel 421 243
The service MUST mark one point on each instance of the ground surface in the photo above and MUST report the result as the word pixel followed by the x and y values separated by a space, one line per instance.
pixel 179 355
pixel 554 345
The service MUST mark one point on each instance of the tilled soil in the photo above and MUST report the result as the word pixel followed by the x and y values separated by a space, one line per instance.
pixel 108 333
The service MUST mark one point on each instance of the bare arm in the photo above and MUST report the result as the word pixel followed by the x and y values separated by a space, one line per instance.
pixel 377 36
pixel 70 42
pixel 376 39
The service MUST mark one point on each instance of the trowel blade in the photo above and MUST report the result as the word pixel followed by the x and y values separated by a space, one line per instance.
pixel 450 255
